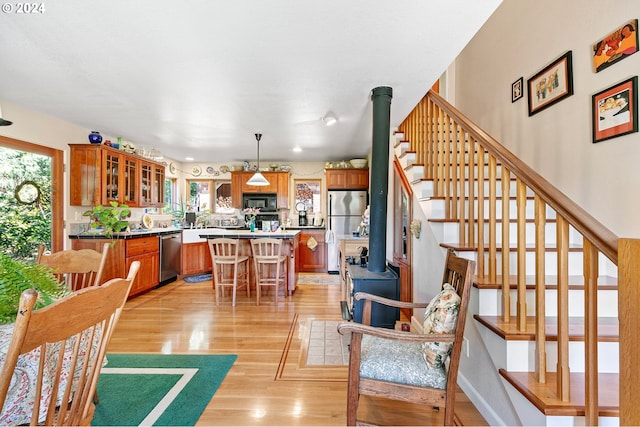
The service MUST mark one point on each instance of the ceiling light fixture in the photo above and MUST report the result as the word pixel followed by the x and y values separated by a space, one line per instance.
pixel 329 119
pixel 258 179
pixel 4 122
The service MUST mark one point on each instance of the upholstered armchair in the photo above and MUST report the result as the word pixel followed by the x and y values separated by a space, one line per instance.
pixel 419 368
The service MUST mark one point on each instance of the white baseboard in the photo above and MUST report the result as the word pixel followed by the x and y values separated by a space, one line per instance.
pixel 478 401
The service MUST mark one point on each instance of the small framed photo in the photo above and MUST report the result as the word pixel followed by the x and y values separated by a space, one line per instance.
pixel 551 84
pixel 615 47
pixel 615 110
pixel 516 90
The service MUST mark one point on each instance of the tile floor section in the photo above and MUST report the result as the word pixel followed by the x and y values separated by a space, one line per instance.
pixel 326 345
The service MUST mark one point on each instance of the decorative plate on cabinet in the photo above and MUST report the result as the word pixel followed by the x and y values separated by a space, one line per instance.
pixel 196 171
pixel 224 168
pixel 210 170
pixel 172 168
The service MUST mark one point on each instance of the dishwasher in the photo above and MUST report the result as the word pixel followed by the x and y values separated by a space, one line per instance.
pixel 170 257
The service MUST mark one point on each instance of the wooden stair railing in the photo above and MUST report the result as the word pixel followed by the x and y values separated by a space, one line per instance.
pixel 456 155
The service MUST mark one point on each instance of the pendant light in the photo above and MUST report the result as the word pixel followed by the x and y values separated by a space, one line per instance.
pixel 4 122
pixel 258 179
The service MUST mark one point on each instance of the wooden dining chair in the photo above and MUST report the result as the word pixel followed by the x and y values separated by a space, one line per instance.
pixel 418 368
pixel 77 268
pixel 56 353
pixel 230 269
pixel 270 265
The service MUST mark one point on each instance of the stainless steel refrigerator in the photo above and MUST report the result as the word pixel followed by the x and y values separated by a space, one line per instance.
pixel 344 214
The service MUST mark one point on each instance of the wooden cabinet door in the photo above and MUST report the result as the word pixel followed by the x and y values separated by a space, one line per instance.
pixel 196 258
pixel 312 260
pixel 112 177
pixel 406 287
pixel 336 179
pixel 146 184
pixel 236 189
pixel 130 186
pixel 85 175
pixel 283 190
pixel 157 197
pixel 149 274
pixel 347 179
pixel 357 179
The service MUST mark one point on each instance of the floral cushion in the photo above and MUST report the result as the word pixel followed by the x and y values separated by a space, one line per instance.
pixel 440 317
pixel 398 362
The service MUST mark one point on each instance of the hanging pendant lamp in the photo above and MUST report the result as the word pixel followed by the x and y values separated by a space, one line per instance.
pixel 258 179
pixel 4 122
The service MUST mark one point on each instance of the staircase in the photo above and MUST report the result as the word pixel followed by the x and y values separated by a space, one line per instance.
pixel 547 305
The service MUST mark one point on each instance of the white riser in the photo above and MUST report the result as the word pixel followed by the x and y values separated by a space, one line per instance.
pixel 521 356
pixel 450 232
pixel 531 416
pixel 551 262
pixel 550 214
pixel 490 302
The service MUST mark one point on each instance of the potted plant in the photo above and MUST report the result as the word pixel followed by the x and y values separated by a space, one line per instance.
pixel 111 219
pixel 17 276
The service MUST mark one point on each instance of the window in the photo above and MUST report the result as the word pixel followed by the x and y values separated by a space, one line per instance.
pixel 209 194
pixel 308 192
pixel 170 201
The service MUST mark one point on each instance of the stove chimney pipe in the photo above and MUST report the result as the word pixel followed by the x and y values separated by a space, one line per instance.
pixel 381 98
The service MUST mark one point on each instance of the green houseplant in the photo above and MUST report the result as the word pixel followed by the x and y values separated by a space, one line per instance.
pixel 17 276
pixel 112 219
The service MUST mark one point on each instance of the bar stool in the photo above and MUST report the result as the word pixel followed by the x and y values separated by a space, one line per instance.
pixel 229 267
pixel 270 265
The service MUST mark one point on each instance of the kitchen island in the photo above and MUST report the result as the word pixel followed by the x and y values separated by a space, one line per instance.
pixel 291 240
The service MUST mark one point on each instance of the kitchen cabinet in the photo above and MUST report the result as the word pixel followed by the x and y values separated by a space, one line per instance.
pixel 100 175
pixel 196 258
pixel 308 260
pixel 147 251
pixel 347 179
pixel 151 184
pixel 278 184
pixel 122 253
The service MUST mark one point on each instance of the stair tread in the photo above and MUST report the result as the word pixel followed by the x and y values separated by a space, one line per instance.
pixel 545 396
pixel 608 330
pixel 575 282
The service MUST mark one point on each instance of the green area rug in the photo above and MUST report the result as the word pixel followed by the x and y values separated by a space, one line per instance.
pixel 158 389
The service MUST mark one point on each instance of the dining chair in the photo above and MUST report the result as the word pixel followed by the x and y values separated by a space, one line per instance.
pixel 77 268
pixel 230 269
pixel 55 355
pixel 412 367
pixel 270 265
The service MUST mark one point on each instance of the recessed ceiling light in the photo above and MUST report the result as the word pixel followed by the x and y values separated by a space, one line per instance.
pixel 297 149
pixel 189 159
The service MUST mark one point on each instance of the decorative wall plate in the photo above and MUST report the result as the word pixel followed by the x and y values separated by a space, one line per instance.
pixel 224 168
pixel 196 171
pixel 172 168
pixel 147 221
pixel 210 170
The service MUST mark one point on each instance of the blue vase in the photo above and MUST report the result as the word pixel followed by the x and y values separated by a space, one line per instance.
pixel 252 225
pixel 95 137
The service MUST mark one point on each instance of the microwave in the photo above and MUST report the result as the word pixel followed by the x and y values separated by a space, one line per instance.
pixel 266 202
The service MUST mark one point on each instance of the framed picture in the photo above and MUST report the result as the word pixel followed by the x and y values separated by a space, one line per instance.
pixel 551 84
pixel 618 45
pixel 615 110
pixel 516 90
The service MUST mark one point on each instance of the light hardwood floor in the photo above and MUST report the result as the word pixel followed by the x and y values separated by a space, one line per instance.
pixel 270 383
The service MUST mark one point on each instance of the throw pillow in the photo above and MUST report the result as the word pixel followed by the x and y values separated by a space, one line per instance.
pixel 440 317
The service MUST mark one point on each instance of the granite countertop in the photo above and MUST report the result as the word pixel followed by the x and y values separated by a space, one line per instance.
pixel 306 227
pixel 246 234
pixel 127 234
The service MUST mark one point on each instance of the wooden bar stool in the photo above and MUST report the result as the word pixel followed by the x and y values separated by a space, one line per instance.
pixel 229 267
pixel 270 265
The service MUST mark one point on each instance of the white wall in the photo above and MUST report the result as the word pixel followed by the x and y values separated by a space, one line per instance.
pixel 521 38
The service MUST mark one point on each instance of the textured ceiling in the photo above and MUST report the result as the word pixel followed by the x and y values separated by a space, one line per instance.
pixel 198 78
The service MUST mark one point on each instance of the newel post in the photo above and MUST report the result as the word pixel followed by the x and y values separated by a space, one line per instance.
pixel 629 320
